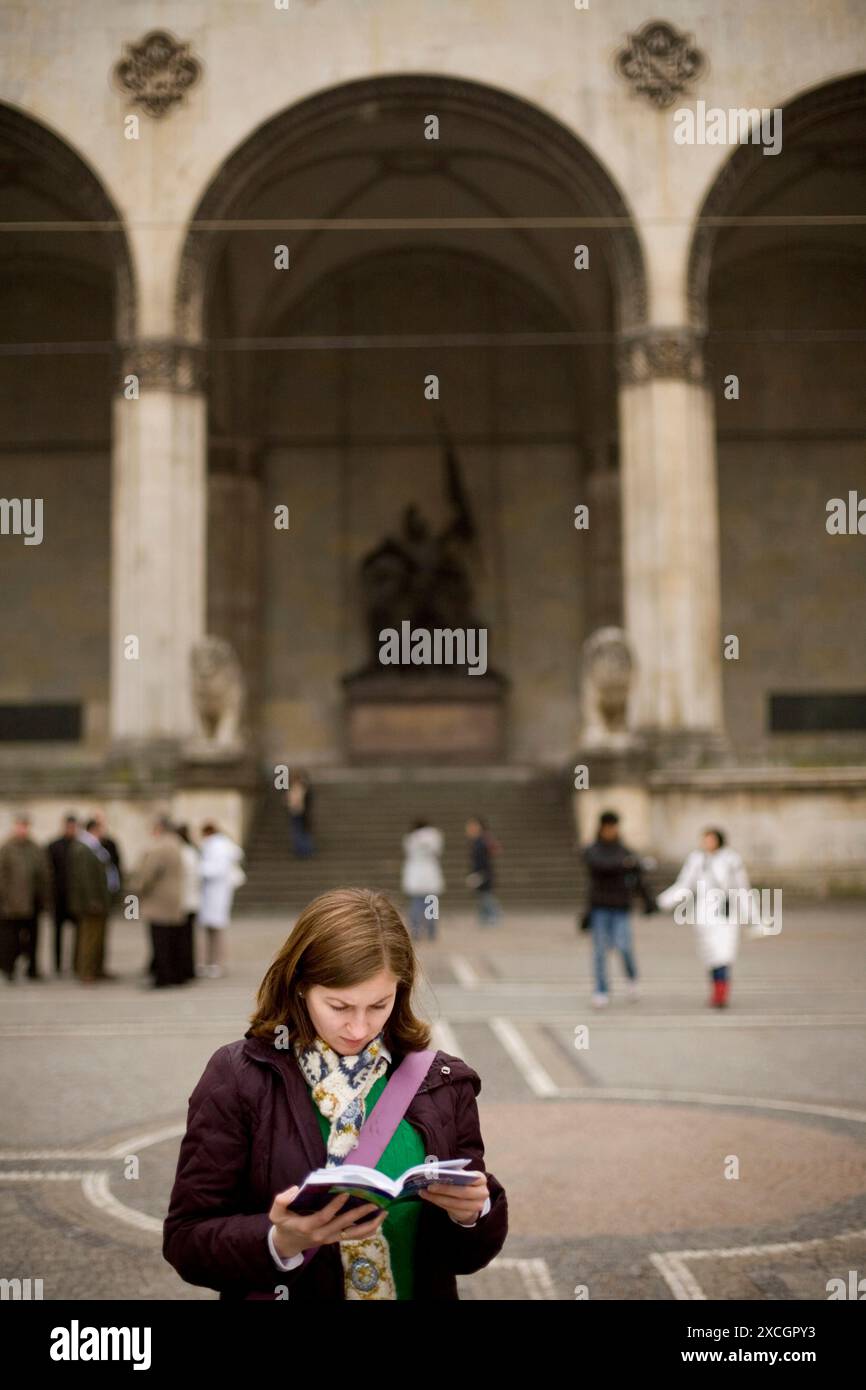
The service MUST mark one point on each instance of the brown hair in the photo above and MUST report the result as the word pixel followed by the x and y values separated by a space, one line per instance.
pixel 341 939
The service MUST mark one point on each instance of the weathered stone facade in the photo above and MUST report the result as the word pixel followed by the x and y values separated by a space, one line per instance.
pixel 172 386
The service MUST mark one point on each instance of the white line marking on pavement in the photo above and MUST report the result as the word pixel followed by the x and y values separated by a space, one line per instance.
pixel 464 972
pixel 670 1264
pixel 534 1275
pixel 47 1175
pixel 37 1155
pixel 537 1079
pixel 126 1146
pixel 445 1038
pixel 99 1194
pixel 682 1282
pixel 145 1140
pixel 828 1112
pixel 538 1280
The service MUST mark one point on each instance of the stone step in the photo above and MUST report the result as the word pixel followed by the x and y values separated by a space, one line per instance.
pixel 361 815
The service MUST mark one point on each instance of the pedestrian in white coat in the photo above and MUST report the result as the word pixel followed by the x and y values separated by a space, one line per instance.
pixel 221 874
pixel 422 875
pixel 712 868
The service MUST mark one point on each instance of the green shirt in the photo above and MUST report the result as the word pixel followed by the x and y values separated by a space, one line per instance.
pixel 404 1150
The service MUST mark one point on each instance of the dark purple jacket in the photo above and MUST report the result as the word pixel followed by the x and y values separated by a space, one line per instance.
pixel 252 1132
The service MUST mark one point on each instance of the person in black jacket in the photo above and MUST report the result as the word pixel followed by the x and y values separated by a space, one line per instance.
pixel 615 878
pixel 482 847
pixel 299 802
pixel 58 853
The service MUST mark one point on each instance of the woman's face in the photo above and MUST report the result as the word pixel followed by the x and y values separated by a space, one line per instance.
pixel 349 1017
pixel 709 842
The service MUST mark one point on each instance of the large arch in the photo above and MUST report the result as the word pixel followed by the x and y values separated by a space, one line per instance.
pixel 67 298
pixel 801 115
pixel 557 151
pixel 80 193
pixel 776 281
pixel 475 272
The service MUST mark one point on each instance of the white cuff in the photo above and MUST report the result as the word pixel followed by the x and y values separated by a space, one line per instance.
pixel 467 1225
pixel 285 1265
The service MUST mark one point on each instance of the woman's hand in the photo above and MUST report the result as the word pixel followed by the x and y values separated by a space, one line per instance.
pixel 463 1203
pixel 295 1233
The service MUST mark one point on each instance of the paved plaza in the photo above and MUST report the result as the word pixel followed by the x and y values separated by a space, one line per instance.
pixel 615 1155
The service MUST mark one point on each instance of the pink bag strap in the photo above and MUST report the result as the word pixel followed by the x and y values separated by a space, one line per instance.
pixel 381 1124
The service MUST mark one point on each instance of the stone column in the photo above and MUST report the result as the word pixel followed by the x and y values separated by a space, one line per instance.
pixel 671 540
pixel 158 510
pixel 235 543
pixel 603 573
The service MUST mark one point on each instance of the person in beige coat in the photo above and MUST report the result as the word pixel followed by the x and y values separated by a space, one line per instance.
pixel 159 882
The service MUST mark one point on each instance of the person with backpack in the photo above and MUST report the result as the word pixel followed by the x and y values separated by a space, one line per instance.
pixel 615 878
pixel 334 1037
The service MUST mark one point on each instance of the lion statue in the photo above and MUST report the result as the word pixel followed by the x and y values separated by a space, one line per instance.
pixel 218 691
pixel 607 668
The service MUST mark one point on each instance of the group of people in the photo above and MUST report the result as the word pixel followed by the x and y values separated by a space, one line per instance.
pixel 77 878
pixel 616 878
pixel 80 880
pixel 422 877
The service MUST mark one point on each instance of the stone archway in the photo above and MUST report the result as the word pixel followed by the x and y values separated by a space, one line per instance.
pixel 791 438
pixel 557 148
pixel 68 302
pixel 512 191
pixel 800 116
pixel 83 194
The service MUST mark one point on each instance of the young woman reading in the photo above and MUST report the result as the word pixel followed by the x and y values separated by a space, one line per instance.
pixel 334 1023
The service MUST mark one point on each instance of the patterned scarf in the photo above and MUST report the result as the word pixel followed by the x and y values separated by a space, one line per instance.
pixel 339 1086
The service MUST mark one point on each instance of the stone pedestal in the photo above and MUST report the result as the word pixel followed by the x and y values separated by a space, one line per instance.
pixel 410 717
pixel 617 782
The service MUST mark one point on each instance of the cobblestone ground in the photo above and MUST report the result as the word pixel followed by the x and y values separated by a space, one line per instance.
pixel 615 1154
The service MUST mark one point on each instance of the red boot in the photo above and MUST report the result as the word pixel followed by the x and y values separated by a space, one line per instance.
pixel 724 991
pixel 717 999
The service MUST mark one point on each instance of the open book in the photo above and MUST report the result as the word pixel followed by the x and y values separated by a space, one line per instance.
pixel 368 1185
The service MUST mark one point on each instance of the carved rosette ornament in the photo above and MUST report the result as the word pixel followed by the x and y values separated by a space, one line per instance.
pixel 157 72
pixel 660 62
pixel 676 355
pixel 163 364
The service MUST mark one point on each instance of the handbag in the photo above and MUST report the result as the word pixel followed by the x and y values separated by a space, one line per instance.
pixel 379 1126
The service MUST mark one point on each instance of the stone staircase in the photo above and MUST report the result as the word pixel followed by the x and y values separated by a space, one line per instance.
pixel 361 815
